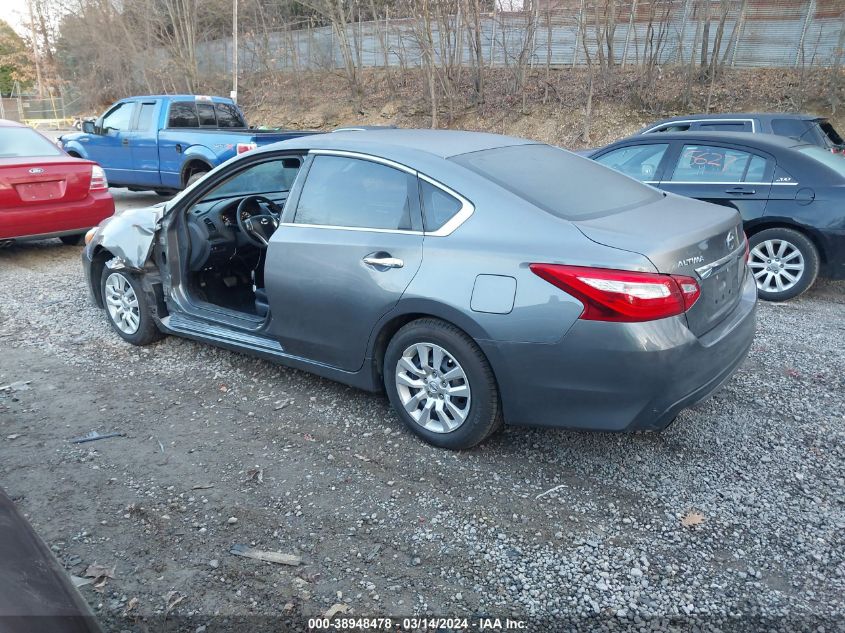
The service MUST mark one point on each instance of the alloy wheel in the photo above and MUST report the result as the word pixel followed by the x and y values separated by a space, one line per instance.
pixel 777 265
pixel 122 303
pixel 433 387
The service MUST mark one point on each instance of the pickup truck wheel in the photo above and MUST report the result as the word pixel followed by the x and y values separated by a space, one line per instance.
pixel 195 176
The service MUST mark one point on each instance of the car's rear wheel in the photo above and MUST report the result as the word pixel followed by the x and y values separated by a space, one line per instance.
pixel 72 240
pixel 126 309
pixel 784 263
pixel 441 385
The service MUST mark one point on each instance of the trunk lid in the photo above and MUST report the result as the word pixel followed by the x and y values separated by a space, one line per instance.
pixel 681 236
pixel 43 179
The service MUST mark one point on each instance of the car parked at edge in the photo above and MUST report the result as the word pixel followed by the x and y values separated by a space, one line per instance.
pixel 808 128
pixel 791 196
pixel 166 142
pixel 35 591
pixel 476 278
pixel 44 192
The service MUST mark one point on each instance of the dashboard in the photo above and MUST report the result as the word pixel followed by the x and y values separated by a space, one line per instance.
pixel 214 233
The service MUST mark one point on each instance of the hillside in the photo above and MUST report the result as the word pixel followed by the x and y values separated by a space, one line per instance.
pixel 550 111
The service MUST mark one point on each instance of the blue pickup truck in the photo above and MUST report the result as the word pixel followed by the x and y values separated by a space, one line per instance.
pixel 166 142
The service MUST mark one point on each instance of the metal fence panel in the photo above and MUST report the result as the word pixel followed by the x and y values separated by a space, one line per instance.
pixel 784 33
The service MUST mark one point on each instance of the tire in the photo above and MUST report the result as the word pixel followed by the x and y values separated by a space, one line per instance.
pixel 164 193
pixel 480 414
pixel 784 262
pixel 145 331
pixel 194 177
pixel 72 240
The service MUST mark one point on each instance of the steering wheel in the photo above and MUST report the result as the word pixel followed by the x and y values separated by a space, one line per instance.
pixel 255 224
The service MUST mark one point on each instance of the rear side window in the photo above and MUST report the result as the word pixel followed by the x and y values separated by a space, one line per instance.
pixel 183 114
pixel 206 115
pixel 228 115
pixel 349 192
pixel 636 161
pixel 560 183
pixel 145 116
pixel 706 163
pixel 438 206
pixel 24 141
pixel 724 126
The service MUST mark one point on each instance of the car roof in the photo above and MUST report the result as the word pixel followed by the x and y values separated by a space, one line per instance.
pixel 738 115
pixel 183 97
pixel 764 142
pixel 8 123
pixel 398 143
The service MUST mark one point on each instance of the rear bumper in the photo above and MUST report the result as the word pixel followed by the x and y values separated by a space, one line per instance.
pixel 32 222
pixel 620 377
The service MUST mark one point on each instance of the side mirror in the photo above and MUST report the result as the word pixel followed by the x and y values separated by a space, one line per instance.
pixel 88 127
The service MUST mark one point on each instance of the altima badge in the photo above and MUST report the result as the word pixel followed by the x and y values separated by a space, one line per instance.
pixel 36 170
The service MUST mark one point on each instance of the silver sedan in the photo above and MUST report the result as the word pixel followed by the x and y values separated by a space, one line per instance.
pixel 477 279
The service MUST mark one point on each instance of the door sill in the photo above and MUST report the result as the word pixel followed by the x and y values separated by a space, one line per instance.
pixel 186 324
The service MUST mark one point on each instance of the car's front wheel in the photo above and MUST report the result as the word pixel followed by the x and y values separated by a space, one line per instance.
pixel 126 309
pixel 784 263
pixel 441 385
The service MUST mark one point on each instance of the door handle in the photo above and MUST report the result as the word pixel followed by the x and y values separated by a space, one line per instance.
pixel 742 191
pixel 383 261
pixel 125 141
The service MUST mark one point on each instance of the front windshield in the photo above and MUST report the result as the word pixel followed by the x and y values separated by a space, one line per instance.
pixel 271 177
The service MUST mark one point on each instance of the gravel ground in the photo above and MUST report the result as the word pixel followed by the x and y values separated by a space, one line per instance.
pixel 562 530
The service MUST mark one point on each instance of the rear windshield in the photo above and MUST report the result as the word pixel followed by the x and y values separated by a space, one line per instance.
pixel 835 161
pixel 558 182
pixel 24 142
pixel 204 114
pixel 800 129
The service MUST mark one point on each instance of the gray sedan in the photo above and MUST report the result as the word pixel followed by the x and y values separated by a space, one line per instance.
pixel 478 279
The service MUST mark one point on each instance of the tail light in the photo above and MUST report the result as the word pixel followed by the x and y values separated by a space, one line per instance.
pixel 98 179
pixel 245 147
pixel 622 295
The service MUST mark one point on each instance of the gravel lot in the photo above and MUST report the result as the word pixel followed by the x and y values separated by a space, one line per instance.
pixel 563 530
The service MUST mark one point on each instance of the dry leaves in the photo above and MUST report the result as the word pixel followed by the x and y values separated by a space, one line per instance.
pixel 172 599
pixel 100 574
pixel 255 474
pixel 335 609
pixel 692 518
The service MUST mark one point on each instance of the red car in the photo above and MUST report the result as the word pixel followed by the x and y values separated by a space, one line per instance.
pixel 44 192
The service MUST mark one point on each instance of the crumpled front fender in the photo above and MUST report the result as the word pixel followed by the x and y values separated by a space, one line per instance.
pixel 128 236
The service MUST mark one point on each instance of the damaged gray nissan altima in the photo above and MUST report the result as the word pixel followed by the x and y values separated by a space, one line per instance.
pixel 478 279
